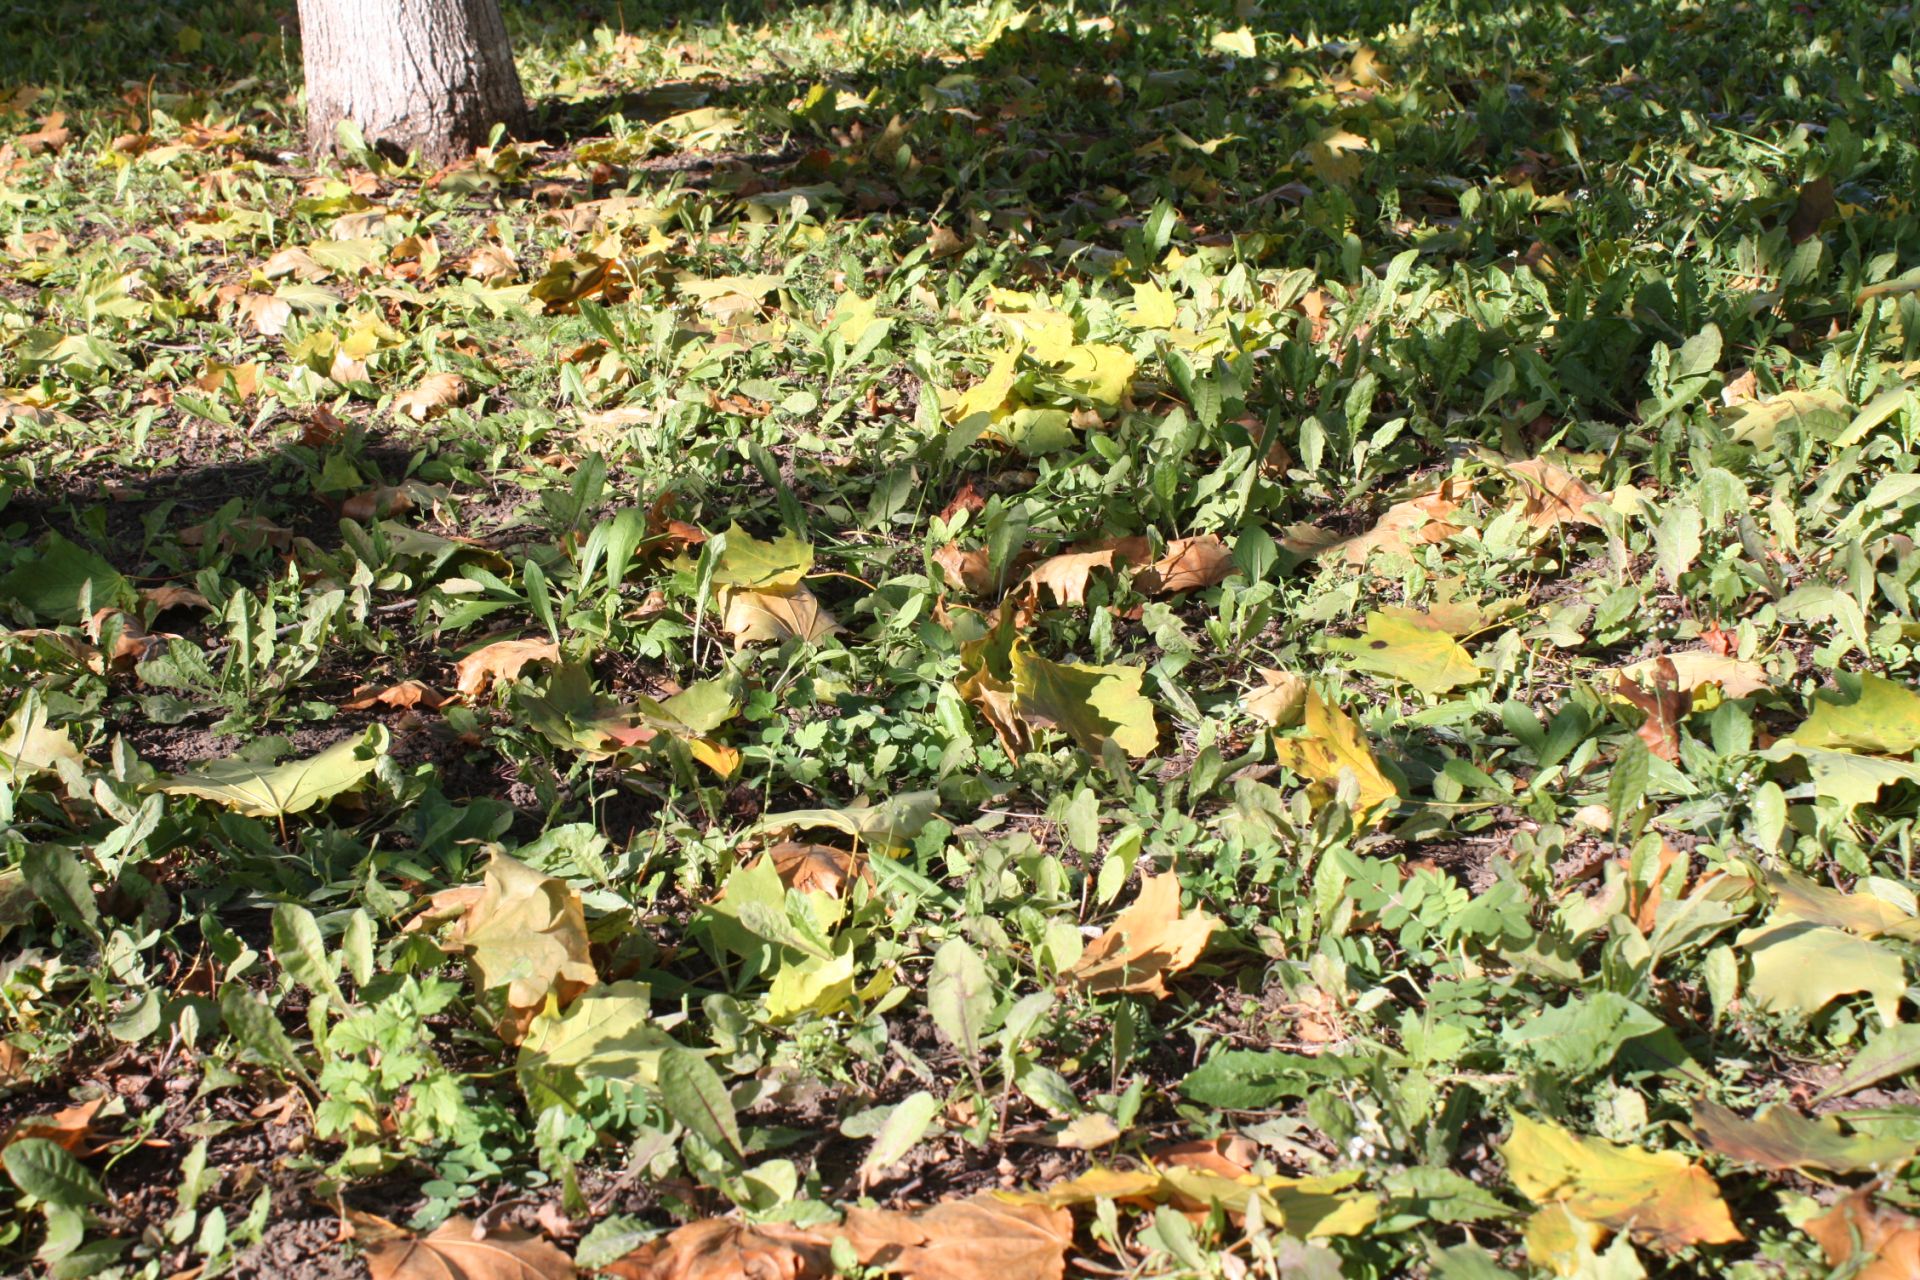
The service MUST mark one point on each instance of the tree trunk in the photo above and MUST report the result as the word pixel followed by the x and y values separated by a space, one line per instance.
pixel 432 76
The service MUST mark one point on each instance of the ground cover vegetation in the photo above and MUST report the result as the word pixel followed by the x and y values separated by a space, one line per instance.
pixel 1154 640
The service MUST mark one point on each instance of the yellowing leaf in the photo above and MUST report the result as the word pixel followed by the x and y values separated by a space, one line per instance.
pixel 30 746
pixel 774 616
pixel 1089 703
pixel 812 984
pixel 1804 967
pixel 762 565
pixel 1103 373
pixel 1405 645
pixel 988 396
pixel 1694 669
pixel 501 660
pixel 1280 700
pixel 1881 718
pixel 1859 913
pixel 1148 941
pixel 607 1034
pixel 526 939
pixel 1332 750
pixel 1781 1139
pixel 1153 308
pixel 457 1250
pixel 1658 1196
pixel 274 791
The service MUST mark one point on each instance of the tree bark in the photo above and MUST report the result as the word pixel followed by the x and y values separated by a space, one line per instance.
pixel 432 76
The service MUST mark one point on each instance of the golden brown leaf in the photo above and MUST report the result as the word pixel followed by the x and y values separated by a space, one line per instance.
pixel 173 596
pixel 52 135
pixel 1889 1239
pixel 1148 941
pixel 408 693
pixel 811 867
pixel 1661 1196
pixel 243 535
pixel 1550 495
pixel 774 616
pixel 378 503
pixel 1665 703
pixel 501 660
pixel 723 1249
pixel 432 396
pixel 455 1252
pixel 1333 747
pixel 1066 575
pixel 1190 564
pixel 1280 700
pixel 1413 523
pixel 978 1239
pixel 70 1127
pixel 972 569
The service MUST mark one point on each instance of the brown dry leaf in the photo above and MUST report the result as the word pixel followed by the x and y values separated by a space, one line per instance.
pixel 1741 389
pixel 1665 703
pixel 971 569
pixel 1890 1240
pixel 821 867
pixel 1694 669
pixel 323 430
pixel 1148 940
pixel 130 643
pixel 1816 203
pixel 434 395
pixel 1550 495
pixel 1189 565
pixel 408 693
pixel 268 314
pixel 454 1252
pixel 13 1063
pixel 1280 701
pixel 70 1127
pixel 1066 575
pixel 492 263
pixel 378 503
pixel 245 378
pixel 723 1249
pixel 1644 902
pixel 774 616
pixel 501 660
pixel 1229 1156
pixel 173 596
pixel 1405 525
pixel 978 1239
pixel 52 135
pixel 968 499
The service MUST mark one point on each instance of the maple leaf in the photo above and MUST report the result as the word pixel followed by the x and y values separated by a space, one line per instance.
pixel 972 569
pixel 1066 575
pixel 457 1249
pixel 1856 1226
pixel 724 1249
pixel 1190 564
pixel 1665 703
pixel 983 1238
pixel 817 867
pixel 1660 1196
pixel 501 660
pixel 525 937
pixel 1332 749
pixel 774 616
pixel 1405 525
pixel 1280 700
pixel 1145 943
pixel 1550 495
pixel 406 694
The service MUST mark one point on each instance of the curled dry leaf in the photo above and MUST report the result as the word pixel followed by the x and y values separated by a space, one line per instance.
pixel 1694 669
pixel 243 535
pixel 723 1249
pixel 972 569
pixel 1665 703
pixel 983 1238
pixel 458 1250
pixel 173 597
pixel 492 263
pixel 69 1127
pixel 499 661
pixel 406 694
pixel 1065 576
pixel 1280 700
pixel 1149 940
pixel 52 135
pixel 432 396
pixel 1550 495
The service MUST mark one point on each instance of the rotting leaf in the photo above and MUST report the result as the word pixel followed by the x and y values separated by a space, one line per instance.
pixel 1149 940
pixel 1659 1196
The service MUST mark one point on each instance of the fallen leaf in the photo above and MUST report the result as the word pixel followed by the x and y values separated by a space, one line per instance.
pixel 726 1249
pixel 808 868
pixel 1280 700
pixel 1695 669
pixel 70 1127
pixel 1881 718
pixel 1814 205
pixel 243 535
pixel 1781 1139
pixel 275 791
pixel 978 1239
pixel 432 396
pixel 492 263
pixel 1855 1226
pixel 1804 967
pixel 1190 564
pixel 1146 942
pixel 408 693
pixel 1551 496
pixel 1665 703
pixel 1660 1197
pixel 1088 702
pixel 525 938
pixel 1333 749
pixel 455 1250
pixel 173 597
pixel 244 378
pixel 971 569
pixel 774 616
pixel 1405 525
pixel 1066 575
pixel 52 135
pixel 378 503
pixel 759 564
pixel 1404 645
pixel 499 661
pixel 1858 913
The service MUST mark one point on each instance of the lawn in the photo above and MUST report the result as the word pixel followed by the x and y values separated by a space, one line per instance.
pixel 1108 639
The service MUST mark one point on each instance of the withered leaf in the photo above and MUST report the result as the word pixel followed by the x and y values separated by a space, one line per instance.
pixel 1665 703
pixel 455 1250
pixel 501 660
pixel 1149 940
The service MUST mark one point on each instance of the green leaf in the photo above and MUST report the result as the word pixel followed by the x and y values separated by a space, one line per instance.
pixel 273 791
pixel 48 1171
pixel 906 1124
pixel 1251 1079
pixel 1805 967
pixel 61 883
pixel 960 996
pixel 302 952
pixel 253 1023
pixel 1845 776
pixel 891 824
pixel 1877 716
pixel 1408 646
pixel 1441 1195
pixel 693 1093
pixel 606 1034
pixel 1582 1037
pixel 52 582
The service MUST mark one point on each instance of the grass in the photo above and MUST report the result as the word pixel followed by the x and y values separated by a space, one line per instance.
pixel 1287 629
